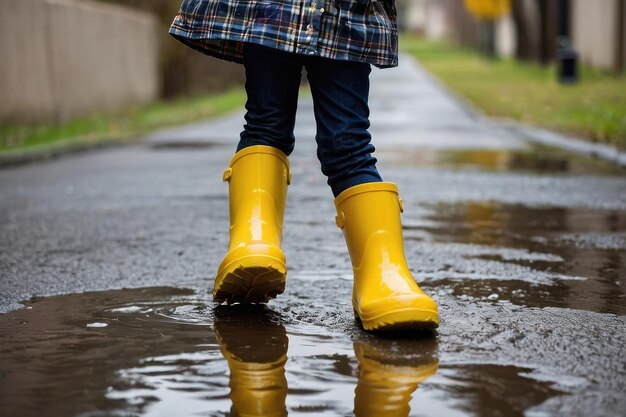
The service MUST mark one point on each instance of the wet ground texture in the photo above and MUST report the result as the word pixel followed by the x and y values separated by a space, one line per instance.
pixel 107 261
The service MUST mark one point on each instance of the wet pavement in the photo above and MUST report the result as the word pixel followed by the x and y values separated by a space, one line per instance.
pixel 523 247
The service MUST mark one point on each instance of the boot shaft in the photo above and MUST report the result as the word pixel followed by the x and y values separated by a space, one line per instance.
pixel 258 177
pixel 369 215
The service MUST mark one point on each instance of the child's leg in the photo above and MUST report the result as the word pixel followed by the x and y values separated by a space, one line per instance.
pixel 385 295
pixel 254 268
pixel 340 95
pixel 272 83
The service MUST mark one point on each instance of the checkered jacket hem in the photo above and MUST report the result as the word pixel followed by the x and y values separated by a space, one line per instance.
pixel 353 30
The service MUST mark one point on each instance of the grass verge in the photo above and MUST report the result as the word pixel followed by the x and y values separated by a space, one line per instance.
pixel 131 123
pixel 593 109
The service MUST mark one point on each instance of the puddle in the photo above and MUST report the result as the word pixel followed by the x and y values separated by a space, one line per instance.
pixel 533 159
pixel 560 257
pixel 165 352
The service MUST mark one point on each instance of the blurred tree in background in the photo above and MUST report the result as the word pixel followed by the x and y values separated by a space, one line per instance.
pixel 487 12
pixel 185 71
pixel 536 26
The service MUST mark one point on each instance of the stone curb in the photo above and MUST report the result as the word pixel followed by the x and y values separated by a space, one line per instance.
pixel 569 143
pixel 22 157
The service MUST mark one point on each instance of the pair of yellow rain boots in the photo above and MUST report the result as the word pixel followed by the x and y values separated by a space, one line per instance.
pixel 385 295
pixel 255 346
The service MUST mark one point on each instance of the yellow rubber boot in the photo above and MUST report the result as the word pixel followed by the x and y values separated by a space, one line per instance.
pixel 255 348
pixel 387 381
pixel 385 296
pixel 254 269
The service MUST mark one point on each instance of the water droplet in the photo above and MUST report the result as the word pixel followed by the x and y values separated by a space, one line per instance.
pixel 97 324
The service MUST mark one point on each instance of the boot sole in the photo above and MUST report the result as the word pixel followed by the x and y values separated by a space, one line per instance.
pixel 251 279
pixel 407 319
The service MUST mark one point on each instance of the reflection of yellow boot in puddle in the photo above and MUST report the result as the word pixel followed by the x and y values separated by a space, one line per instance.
pixel 388 379
pixel 256 351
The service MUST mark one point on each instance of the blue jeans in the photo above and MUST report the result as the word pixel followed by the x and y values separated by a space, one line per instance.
pixel 340 92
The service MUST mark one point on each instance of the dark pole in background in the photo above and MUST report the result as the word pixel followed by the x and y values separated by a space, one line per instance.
pixel 621 34
pixel 564 18
pixel 567 57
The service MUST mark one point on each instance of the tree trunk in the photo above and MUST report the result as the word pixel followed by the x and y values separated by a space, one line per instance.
pixel 528 29
pixel 488 38
pixel 523 50
pixel 548 30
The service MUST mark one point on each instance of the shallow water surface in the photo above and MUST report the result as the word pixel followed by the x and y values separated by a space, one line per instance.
pixel 531 306
pixel 530 159
pixel 539 256
pixel 165 351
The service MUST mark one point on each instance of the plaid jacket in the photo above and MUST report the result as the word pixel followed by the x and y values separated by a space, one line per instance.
pixel 356 30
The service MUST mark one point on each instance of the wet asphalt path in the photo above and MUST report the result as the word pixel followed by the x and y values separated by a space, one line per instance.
pixel 523 247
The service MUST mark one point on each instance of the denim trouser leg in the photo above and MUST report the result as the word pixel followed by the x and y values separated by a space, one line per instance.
pixel 340 92
pixel 272 85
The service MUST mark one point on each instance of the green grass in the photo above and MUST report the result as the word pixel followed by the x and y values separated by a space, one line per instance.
pixel 125 125
pixel 594 109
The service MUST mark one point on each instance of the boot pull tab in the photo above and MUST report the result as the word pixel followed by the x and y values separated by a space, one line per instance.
pixel 340 220
pixel 401 204
pixel 228 172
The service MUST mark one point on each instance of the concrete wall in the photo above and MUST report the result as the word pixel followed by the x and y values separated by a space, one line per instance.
pixel 414 15
pixel 63 59
pixel 447 19
pixel 506 39
pixel 436 24
pixel 426 18
pixel 594 32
